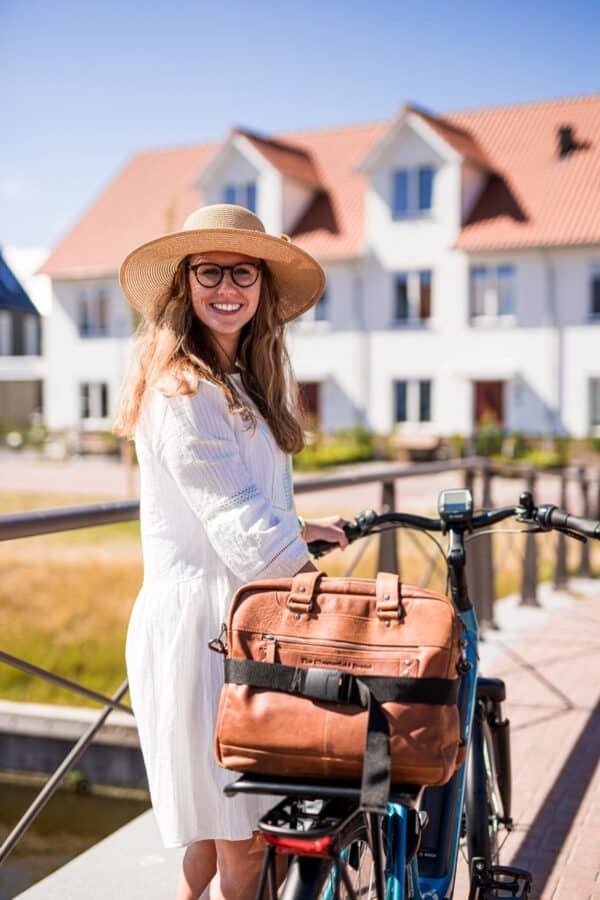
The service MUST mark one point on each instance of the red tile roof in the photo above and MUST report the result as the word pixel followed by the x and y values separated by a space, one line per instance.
pixel 537 199
pixel 291 160
pixel 532 198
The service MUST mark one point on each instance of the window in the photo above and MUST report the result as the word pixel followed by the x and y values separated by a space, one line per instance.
pixel 412 192
pixel 492 292
pixel 425 401
pixel 424 295
pixel 400 395
pixel 594 392
pixel 30 335
pixel 402 311
pixel 425 176
pixel 93 314
pixel 412 401
pixel 93 400
pixel 6 333
pixel 242 194
pixel 401 199
pixel 320 312
pixel 595 292
pixel 412 297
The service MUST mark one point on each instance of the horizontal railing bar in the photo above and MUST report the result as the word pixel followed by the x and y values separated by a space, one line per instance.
pixel 384 473
pixel 59 680
pixel 54 781
pixel 48 521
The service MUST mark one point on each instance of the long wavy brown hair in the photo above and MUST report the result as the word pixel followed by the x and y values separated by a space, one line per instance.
pixel 174 350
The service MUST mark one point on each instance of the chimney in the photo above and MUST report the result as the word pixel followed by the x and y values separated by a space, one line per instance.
pixel 566 141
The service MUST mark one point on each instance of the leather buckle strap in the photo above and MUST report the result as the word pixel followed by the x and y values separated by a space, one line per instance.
pixel 388 601
pixel 304 587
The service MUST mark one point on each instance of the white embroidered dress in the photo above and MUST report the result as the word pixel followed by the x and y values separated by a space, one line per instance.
pixel 216 511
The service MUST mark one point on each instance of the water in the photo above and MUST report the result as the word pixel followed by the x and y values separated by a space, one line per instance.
pixel 70 824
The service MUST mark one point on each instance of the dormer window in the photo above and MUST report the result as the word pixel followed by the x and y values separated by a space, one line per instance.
pixel 241 194
pixel 412 192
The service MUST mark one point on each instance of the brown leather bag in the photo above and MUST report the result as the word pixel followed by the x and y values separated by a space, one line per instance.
pixel 321 673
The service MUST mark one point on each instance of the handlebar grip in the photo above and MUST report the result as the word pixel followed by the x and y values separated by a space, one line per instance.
pixel 352 530
pixel 552 517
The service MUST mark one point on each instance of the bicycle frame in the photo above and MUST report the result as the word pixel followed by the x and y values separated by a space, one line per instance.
pixel 451 796
pixel 439 886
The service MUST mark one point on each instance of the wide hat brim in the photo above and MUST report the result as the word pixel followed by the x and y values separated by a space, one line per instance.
pixel 147 272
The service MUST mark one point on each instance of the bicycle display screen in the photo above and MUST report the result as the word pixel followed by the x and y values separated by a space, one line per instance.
pixel 456 506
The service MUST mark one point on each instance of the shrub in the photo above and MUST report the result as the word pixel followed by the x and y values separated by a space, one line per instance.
pixel 342 447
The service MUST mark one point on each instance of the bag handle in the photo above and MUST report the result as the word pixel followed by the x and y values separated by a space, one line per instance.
pixel 304 587
pixel 388 597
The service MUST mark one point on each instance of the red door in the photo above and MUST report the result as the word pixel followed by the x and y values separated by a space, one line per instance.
pixel 489 403
pixel 309 399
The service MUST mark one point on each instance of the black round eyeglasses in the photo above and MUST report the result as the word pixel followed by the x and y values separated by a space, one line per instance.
pixel 209 275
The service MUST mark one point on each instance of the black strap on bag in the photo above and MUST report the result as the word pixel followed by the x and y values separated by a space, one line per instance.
pixel 368 692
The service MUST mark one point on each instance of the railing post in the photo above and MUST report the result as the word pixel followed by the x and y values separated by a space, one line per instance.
pixel 585 568
pixel 488 592
pixel 388 551
pixel 561 572
pixel 480 572
pixel 530 563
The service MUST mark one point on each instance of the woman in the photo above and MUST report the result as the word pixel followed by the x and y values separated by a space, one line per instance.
pixel 213 408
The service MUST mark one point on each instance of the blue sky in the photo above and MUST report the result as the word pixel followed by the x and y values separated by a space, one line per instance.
pixel 86 84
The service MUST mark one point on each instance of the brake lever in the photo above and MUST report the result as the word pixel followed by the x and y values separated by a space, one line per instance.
pixel 571 534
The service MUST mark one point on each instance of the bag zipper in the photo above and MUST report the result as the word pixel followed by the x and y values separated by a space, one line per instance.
pixel 343 645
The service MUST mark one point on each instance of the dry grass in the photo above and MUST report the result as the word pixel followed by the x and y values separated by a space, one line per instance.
pixel 65 599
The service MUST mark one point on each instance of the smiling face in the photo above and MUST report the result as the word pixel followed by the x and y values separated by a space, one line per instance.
pixel 226 308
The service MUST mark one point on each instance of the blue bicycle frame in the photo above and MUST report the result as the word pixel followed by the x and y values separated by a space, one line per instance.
pixel 449 806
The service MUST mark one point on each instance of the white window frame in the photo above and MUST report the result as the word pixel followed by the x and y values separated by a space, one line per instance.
pixel 31 342
pixel 240 194
pixel 491 313
pixel 413 211
pixel 95 412
pixel 6 333
pixel 91 303
pixel 413 279
pixel 594 388
pixel 594 275
pixel 413 399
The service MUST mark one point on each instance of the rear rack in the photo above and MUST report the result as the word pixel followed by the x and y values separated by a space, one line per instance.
pixel 405 794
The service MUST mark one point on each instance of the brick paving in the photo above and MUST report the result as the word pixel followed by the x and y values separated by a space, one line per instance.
pixel 552 674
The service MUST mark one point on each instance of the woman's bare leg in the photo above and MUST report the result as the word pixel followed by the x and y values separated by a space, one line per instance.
pixel 197 870
pixel 239 864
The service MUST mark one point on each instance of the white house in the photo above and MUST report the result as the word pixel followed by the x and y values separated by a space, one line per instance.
pixel 462 254
pixel 21 364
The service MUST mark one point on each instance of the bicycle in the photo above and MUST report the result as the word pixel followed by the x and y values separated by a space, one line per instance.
pixel 338 851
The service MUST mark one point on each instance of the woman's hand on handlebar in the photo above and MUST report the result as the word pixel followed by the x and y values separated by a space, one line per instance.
pixel 329 529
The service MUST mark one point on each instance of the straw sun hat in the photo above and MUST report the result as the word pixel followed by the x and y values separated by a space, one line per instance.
pixel 148 271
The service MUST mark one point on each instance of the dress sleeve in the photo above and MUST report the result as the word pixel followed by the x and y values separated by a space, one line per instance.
pixel 200 450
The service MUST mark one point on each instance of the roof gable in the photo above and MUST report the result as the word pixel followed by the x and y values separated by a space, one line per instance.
pixel 531 198
pixel 446 139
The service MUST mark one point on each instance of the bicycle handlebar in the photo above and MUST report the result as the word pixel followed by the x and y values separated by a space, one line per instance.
pixel 545 518
pixel 549 517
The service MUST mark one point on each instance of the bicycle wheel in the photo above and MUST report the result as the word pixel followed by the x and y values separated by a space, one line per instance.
pixel 483 804
pixel 309 878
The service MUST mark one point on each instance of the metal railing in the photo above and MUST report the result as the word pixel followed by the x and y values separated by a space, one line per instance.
pixel 478 474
